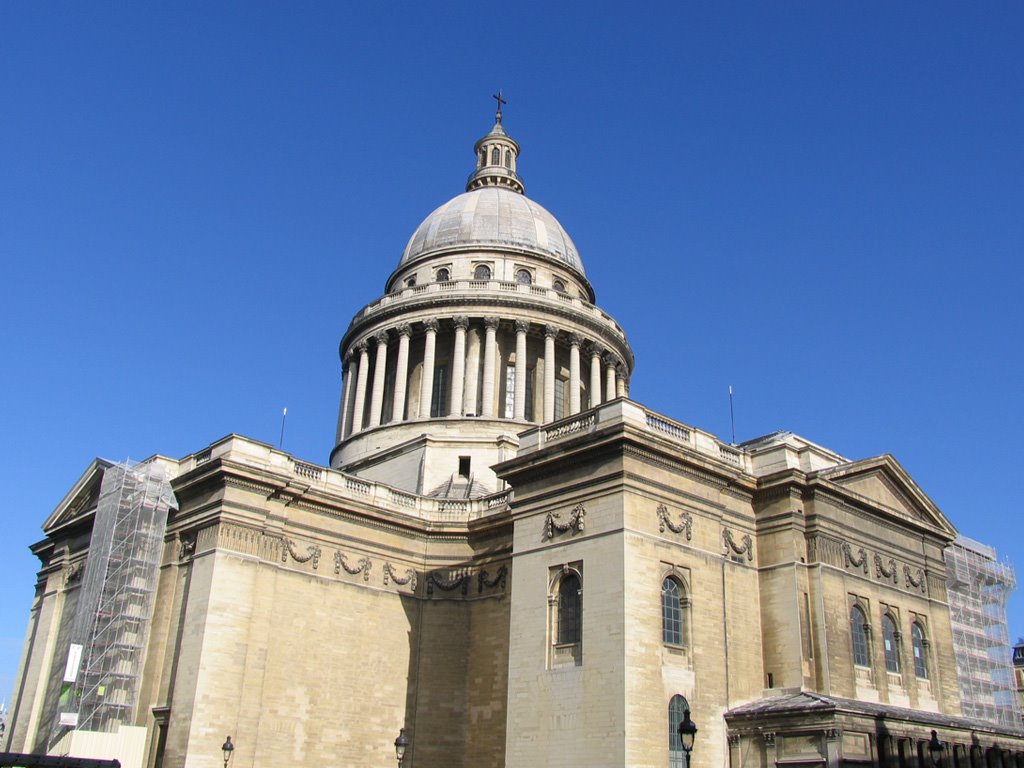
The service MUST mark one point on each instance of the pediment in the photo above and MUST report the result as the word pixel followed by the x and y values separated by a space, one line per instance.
pixel 81 499
pixel 884 484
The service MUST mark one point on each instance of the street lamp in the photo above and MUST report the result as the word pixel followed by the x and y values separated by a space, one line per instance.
pixel 228 749
pixel 401 744
pixel 935 749
pixel 687 733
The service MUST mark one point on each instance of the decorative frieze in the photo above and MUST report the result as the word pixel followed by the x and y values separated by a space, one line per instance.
pixel 435 579
pixel 685 523
pixel 312 553
pixel 860 561
pixel 885 570
pixel 554 524
pixel 729 543
pixel 582 424
pixel 363 566
pixel 484 580
pixel 914 581
pixel 390 574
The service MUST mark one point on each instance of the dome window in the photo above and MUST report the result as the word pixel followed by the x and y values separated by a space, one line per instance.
pixel 410 281
pixel 508 159
pixel 495 156
pixel 559 286
pixel 482 272
pixel 443 275
pixel 523 277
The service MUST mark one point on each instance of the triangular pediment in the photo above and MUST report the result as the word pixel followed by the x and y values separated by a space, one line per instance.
pixel 81 499
pixel 884 484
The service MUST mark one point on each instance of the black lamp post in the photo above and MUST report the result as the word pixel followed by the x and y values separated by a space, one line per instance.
pixel 687 733
pixel 228 749
pixel 401 744
pixel 935 749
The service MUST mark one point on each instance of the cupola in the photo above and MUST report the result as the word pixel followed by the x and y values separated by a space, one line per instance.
pixel 496 155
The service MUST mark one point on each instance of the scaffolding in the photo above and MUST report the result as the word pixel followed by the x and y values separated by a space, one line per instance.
pixel 979 586
pixel 111 623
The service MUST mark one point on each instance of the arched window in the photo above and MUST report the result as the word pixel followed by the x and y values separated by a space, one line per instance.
pixel 859 637
pixel 672 612
pixel 569 610
pixel 890 638
pixel 508 159
pixel 523 277
pixel 495 156
pixel 559 286
pixel 917 642
pixel 482 272
pixel 676 707
pixel 483 158
pixel 443 275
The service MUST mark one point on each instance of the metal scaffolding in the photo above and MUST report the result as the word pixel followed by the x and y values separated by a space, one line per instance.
pixel 979 586
pixel 111 624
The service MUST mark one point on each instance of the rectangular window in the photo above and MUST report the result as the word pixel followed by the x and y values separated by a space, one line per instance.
pixel 439 398
pixel 529 393
pixel 560 385
pixel 464 466
pixel 510 391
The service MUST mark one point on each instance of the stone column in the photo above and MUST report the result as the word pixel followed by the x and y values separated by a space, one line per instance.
pixel 609 377
pixel 364 372
pixel 522 326
pixel 549 373
pixel 401 372
pixel 620 380
pixel 574 373
pixel 427 379
pixel 487 397
pixel 458 365
pixel 380 368
pixel 596 350
pixel 472 373
pixel 346 386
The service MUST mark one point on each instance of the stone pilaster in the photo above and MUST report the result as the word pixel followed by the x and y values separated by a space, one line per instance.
pixel 401 373
pixel 427 379
pixel 458 365
pixel 574 373
pixel 522 326
pixel 487 397
pixel 550 332
pixel 364 373
pixel 596 351
pixel 380 368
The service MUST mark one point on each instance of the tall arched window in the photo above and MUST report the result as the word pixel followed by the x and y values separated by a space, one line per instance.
pixel 482 272
pixel 508 159
pixel 523 277
pixel 495 156
pixel 569 610
pixel 672 612
pixel 859 636
pixel 676 707
pixel 917 641
pixel 890 638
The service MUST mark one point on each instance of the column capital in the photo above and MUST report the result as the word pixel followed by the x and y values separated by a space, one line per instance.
pixel 620 369
pixel 461 321
pixel 350 355
pixel 431 325
pixel 575 340
pixel 381 337
pixel 522 326
pixel 596 350
pixel 550 331
pixel 611 360
pixel 404 329
pixel 361 347
pixel 491 323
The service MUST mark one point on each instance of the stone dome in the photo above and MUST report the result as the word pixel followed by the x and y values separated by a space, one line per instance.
pixel 492 217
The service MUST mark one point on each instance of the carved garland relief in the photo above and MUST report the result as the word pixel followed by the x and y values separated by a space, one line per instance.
pixel 554 524
pixel 685 523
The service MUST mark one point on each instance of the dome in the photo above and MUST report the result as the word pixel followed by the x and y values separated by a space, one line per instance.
pixel 490 217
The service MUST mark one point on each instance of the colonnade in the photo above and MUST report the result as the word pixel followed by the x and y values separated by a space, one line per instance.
pixel 363 379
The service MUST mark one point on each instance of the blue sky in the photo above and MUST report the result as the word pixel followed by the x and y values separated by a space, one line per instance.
pixel 817 203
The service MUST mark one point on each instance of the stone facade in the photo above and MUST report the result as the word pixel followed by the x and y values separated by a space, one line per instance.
pixel 516 563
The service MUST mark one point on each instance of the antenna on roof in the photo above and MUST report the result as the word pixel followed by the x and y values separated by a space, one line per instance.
pixel 284 415
pixel 732 416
